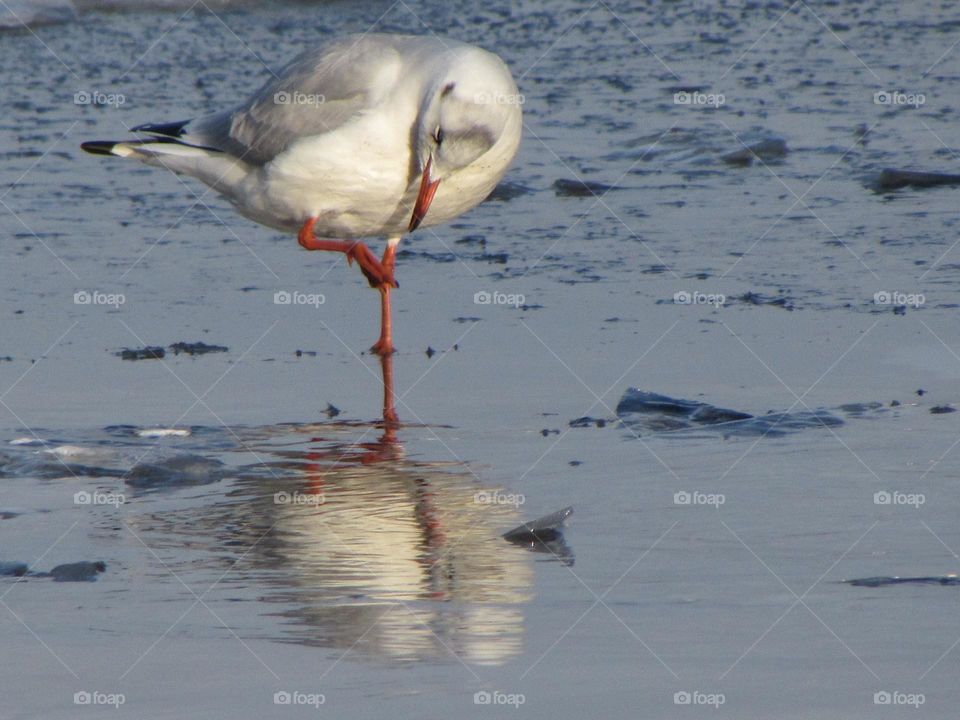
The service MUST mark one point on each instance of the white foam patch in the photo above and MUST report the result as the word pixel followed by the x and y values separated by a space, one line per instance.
pixel 26 441
pixel 163 432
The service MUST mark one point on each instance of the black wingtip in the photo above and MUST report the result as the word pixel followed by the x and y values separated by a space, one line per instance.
pixel 170 129
pixel 98 147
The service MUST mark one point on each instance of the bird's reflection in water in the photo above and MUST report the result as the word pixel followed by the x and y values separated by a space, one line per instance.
pixel 361 547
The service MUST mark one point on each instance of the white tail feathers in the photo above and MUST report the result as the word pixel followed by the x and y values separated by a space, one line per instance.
pixel 217 169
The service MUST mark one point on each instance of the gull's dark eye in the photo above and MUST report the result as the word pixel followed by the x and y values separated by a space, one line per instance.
pixel 438 135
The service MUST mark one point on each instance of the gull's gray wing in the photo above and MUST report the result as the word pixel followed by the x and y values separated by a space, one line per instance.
pixel 316 93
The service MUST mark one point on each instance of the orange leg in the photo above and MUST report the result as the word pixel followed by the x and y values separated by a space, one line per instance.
pixel 376 273
pixel 384 346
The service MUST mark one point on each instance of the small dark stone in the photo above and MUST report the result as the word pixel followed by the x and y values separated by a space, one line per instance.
pixel 921 392
pixel 332 411
pixel 942 409
pixel 430 352
pixel 575 463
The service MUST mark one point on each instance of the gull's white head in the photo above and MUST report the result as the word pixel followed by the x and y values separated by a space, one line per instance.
pixel 470 117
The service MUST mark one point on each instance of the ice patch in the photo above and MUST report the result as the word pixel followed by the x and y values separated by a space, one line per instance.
pixel 163 432
pixel 78 452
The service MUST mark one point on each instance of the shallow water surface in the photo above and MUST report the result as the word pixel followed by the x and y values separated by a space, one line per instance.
pixel 785 318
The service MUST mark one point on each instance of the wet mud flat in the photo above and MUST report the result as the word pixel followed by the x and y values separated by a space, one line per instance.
pixel 774 276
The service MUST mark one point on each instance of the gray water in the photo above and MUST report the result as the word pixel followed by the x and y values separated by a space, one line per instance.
pixel 270 548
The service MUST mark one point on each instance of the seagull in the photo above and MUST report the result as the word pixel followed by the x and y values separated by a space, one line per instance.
pixel 371 135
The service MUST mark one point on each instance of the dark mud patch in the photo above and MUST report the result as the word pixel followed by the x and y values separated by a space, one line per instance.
pixel 150 352
pixel 753 298
pixel 156 352
pixel 83 571
pixel 586 421
pixel 196 348
pixel 580 188
pixel 891 179
pixel 433 257
pixel 506 191
pixel 886 581
pixel 764 151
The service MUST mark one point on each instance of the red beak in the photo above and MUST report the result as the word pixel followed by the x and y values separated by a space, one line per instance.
pixel 428 188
